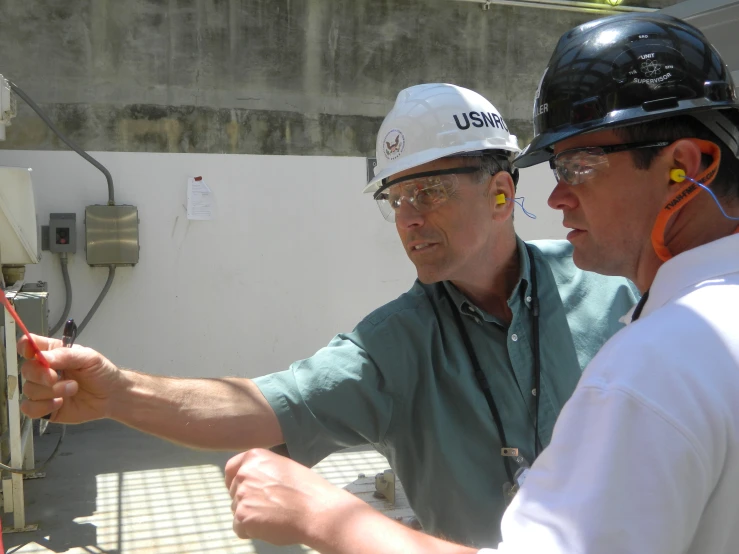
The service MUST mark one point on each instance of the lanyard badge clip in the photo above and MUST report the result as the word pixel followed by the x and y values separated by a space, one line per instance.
pixel 510 489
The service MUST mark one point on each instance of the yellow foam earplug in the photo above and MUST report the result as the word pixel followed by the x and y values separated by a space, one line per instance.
pixel 500 199
pixel 677 175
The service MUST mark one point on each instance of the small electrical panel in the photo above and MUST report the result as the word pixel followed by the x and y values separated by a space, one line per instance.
pixel 61 236
pixel 112 235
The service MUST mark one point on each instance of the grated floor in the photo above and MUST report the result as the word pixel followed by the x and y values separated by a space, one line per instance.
pixel 115 490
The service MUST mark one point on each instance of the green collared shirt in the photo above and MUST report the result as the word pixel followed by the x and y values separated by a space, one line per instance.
pixel 402 381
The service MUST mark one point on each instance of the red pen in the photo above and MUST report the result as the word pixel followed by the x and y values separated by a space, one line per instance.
pixel 36 350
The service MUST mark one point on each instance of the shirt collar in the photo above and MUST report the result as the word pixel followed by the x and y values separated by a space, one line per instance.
pixel 522 287
pixel 691 268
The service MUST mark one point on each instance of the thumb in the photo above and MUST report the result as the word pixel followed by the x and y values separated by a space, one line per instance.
pixel 73 358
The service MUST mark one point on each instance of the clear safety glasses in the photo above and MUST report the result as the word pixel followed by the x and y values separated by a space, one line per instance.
pixel 578 165
pixel 424 191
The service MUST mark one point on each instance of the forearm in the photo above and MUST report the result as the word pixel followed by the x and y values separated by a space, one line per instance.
pixel 217 414
pixel 357 528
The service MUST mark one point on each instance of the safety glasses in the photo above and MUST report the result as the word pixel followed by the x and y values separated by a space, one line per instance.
pixel 577 165
pixel 424 191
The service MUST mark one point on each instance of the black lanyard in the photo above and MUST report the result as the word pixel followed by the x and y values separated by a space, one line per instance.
pixel 482 379
pixel 640 307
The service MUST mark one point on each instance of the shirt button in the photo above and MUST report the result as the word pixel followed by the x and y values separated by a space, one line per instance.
pixel 514 337
pixel 533 392
pixel 528 299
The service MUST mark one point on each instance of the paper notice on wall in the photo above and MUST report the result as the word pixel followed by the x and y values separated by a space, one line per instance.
pixel 199 199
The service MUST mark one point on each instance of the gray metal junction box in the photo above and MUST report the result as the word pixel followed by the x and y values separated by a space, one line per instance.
pixel 112 235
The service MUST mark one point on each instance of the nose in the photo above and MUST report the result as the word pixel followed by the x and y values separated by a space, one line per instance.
pixel 562 197
pixel 407 216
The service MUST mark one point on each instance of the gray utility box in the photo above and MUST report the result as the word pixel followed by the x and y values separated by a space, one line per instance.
pixel 62 235
pixel 31 303
pixel 112 235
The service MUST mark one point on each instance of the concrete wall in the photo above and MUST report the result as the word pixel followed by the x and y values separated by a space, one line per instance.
pixel 303 77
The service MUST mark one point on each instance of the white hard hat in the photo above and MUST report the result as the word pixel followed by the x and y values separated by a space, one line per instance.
pixel 434 121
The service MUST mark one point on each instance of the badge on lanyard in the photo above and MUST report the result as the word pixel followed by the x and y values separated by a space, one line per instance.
pixel 510 489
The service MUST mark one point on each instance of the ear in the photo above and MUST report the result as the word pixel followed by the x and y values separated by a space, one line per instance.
pixel 501 184
pixel 686 155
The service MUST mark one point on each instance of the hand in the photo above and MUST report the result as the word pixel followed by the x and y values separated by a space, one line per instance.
pixel 82 394
pixel 282 502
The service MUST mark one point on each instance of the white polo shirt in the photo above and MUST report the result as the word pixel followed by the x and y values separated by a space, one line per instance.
pixel 645 455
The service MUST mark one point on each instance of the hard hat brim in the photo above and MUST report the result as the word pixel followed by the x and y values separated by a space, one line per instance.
pixel 541 148
pixel 433 155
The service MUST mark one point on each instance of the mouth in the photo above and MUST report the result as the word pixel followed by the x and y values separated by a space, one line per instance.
pixel 419 247
pixel 575 233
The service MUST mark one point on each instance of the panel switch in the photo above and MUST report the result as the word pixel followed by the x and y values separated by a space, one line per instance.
pixel 63 233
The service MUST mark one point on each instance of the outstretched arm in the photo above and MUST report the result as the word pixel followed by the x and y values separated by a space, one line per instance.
pixel 222 414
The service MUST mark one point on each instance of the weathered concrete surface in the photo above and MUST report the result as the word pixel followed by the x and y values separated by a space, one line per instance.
pixel 260 76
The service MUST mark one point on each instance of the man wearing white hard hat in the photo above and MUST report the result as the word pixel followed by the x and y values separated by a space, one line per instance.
pixel 458 382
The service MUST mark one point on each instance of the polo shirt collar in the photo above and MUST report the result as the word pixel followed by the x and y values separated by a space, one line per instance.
pixel 522 288
pixel 706 263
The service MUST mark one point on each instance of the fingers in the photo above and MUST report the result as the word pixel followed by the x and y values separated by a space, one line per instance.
pixel 58 356
pixel 43 389
pixel 37 409
pixel 234 482
pixel 248 461
pixel 239 490
pixel 43 343
pixel 240 530
pixel 239 470
pixel 41 400
pixel 34 372
pixel 35 391
pixel 233 466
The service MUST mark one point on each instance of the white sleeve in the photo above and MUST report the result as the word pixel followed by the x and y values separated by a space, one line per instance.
pixel 618 477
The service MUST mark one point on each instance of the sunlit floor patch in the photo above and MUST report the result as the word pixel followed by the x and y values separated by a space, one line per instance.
pixel 182 510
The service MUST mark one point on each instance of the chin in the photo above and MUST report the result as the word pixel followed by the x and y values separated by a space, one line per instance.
pixel 584 262
pixel 429 277
pixel 600 266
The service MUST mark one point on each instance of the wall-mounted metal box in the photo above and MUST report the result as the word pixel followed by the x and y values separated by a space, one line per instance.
pixel 112 235
pixel 62 233
pixel 31 303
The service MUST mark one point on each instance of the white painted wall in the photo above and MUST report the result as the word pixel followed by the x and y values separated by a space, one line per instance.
pixel 296 254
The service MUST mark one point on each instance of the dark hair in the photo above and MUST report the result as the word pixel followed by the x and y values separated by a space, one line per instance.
pixel 726 184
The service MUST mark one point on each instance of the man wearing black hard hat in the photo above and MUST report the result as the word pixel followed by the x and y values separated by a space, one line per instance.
pixel 638 117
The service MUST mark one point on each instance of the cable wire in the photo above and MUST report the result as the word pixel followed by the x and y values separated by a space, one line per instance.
pixel 96 305
pixel 111 194
pixel 42 466
pixel 68 292
pixel 715 198
pixel 111 202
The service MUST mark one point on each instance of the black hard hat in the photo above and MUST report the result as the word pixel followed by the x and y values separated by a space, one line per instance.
pixel 627 69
